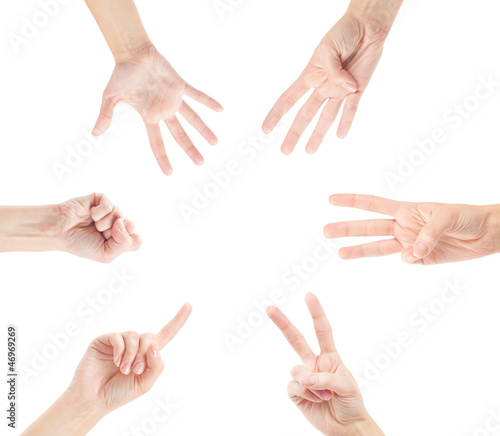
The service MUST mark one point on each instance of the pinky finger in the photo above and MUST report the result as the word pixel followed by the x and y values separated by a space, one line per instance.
pixel 203 98
pixel 348 114
pixel 295 389
pixel 158 147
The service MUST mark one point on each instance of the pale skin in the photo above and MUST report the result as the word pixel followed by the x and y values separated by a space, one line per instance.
pixel 338 73
pixel 144 79
pixel 424 233
pixel 91 227
pixel 117 369
pixel 322 387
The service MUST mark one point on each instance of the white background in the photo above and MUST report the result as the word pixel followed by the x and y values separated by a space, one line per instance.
pixel 265 221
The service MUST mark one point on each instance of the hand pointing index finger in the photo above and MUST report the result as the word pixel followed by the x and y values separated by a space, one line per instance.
pixel 167 333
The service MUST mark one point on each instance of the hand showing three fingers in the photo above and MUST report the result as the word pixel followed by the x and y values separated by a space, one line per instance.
pixel 322 387
pixel 95 229
pixel 424 233
pixel 339 70
pixel 118 368
pixel 153 88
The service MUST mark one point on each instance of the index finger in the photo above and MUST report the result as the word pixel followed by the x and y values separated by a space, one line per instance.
pixel 291 333
pixel 321 324
pixel 366 202
pixel 167 333
pixel 287 100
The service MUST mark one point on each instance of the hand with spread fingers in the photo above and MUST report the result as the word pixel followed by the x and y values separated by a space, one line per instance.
pixel 144 79
pixel 90 227
pixel 339 72
pixel 322 387
pixel 424 233
pixel 116 369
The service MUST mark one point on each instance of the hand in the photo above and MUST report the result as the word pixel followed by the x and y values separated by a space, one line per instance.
pixel 322 387
pixel 120 367
pixel 424 233
pixel 340 69
pixel 95 229
pixel 153 88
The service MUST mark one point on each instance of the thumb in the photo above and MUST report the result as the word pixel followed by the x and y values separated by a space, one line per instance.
pixel 105 115
pixel 342 386
pixel 120 241
pixel 440 222
pixel 339 76
pixel 154 368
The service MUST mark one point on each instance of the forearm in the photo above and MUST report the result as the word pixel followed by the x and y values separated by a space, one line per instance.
pixel 68 416
pixel 493 223
pixel 121 26
pixel 381 13
pixel 30 228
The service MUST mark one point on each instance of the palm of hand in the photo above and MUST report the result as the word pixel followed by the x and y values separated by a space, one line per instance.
pixel 467 240
pixel 331 416
pixel 98 378
pixel 150 85
pixel 346 42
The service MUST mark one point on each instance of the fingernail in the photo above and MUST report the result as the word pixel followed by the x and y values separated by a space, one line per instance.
pixel 126 368
pixel 349 86
pixel 118 361
pixel 121 226
pixel 326 395
pixel 139 368
pixel 155 350
pixel 309 380
pixel 420 250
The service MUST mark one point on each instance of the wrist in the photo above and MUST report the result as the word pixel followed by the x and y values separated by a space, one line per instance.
pixel 135 51
pixel 80 414
pixel 378 15
pixel 363 427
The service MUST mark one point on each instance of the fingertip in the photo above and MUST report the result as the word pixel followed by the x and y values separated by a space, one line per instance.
pixel 343 254
pixel 420 250
pixel 308 380
pixel 286 150
pixel 270 310
pixel 333 199
pixel 168 171
pixel 188 308
pixel 342 130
